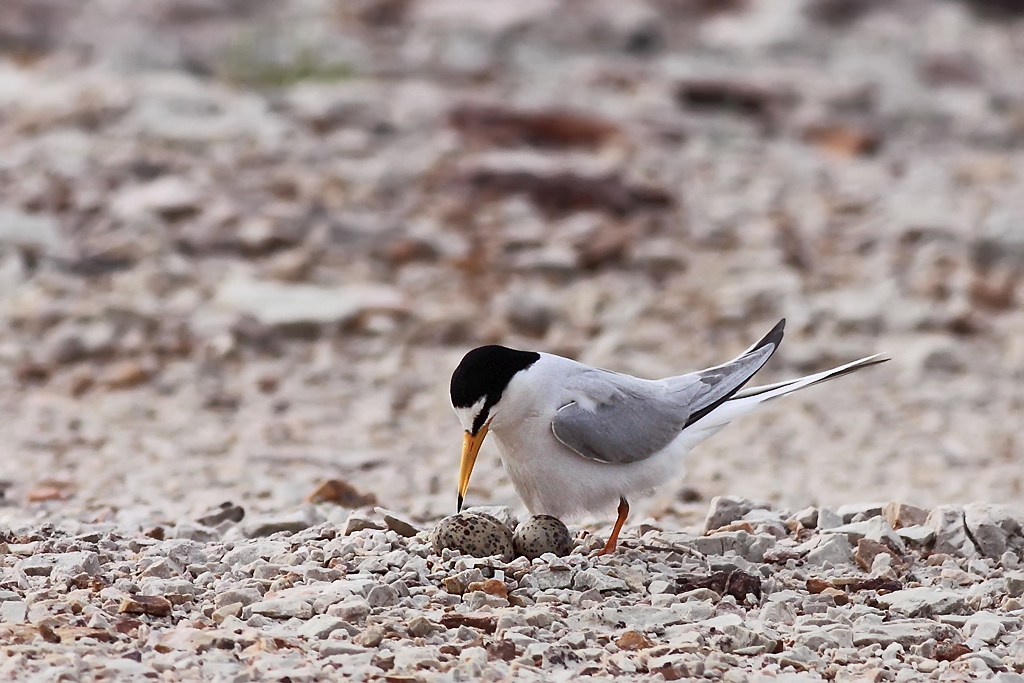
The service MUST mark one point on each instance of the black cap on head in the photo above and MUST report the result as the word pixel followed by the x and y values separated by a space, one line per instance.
pixel 484 373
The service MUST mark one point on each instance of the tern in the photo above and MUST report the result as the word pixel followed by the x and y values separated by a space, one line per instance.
pixel 575 438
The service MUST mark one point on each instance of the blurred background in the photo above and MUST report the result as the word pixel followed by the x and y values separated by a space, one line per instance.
pixel 244 243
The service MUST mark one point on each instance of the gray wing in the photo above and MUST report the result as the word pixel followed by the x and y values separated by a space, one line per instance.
pixel 619 419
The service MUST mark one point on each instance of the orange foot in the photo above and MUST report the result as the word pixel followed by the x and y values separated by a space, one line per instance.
pixel 613 540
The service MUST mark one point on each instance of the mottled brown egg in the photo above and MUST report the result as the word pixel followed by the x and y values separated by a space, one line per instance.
pixel 542 534
pixel 473 534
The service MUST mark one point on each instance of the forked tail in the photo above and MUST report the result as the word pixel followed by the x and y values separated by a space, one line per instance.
pixel 745 400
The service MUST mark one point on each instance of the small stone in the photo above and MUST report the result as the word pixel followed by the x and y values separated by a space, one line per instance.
pixel 901 515
pixel 13 611
pixel 595 579
pixel 170 197
pixel 421 627
pixel 1015 584
pixel 357 521
pixel 50 490
pixel 542 534
pixel 37 233
pixel 340 493
pixel 473 534
pixel 154 605
pixel 862 511
pixel 265 525
pixel 225 512
pixel 633 641
pixel 951 537
pixel 371 636
pixel 483 621
pixel 126 374
pixel 808 517
pixel 490 586
pixel 994 528
pixel 301 307
pixel 382 596
pixel 827 519
pixel 834 549
pixel 868 550
pixel 194 532
pixel 918 535
pixel 352 609
pixel 283 608
pixel 243 596
pixel 36 565
pixel 396 523
pixel 950 651
pixel 221 613
pixel 923 601
pixel 321 626
pixel 728 509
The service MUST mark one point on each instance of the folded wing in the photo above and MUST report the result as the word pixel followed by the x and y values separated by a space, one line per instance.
pixel 619 419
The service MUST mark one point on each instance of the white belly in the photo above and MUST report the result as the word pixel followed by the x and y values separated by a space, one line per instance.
pixel 553 480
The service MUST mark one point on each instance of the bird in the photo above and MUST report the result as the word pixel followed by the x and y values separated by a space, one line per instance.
pixel 576 439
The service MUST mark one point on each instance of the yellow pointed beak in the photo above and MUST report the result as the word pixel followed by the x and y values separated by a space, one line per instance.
pixel 470 448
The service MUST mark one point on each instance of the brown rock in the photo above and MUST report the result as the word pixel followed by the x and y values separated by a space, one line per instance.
pixel 879 584
pixel 488 623
pixel 747 99
pixel 736 583
pixel 839 596
pixel 501 649
pixel 565 192
pixel 340 493
pixel 72 633
pixel 31 372
pixel 947 651
pixel 126 374
pixel 50 490
pixel 47 632
pixel 868 550
pixel 154 605
pixel 816 585
pixel 550 128
pixel 490 586
pixel 633 640
pixel 900 515
pixel 843 139
pixel 737 526
pixel 126 625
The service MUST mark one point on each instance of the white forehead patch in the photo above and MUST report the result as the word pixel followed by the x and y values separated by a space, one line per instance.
pixel 468 415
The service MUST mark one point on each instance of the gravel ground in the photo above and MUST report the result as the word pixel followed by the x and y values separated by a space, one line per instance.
pixel 863 592
pixel 243 245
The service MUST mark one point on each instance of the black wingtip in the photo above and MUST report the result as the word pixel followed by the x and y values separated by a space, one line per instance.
pixel 773 337
pixel 459 507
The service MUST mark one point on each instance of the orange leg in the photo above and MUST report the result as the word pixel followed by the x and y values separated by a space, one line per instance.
pixel 609 547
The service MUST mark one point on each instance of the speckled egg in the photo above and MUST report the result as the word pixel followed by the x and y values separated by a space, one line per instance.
pixel 473 534
pixel 542 534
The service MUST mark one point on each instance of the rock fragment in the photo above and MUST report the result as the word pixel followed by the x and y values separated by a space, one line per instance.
pixel 900 515
pixel 994 528
pixel 728 509
pixel 923 601
pixel 340 493
pixel 154 605
pixel 947 521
